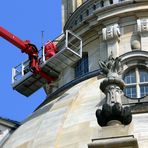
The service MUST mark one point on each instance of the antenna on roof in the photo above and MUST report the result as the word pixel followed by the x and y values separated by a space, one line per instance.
pixel 42 38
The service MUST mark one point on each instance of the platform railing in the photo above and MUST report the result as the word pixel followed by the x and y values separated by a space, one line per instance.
pixel 72 42
pixel 20 70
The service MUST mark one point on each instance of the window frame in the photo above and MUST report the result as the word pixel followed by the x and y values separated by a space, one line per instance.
pixel 138 83
pixel 82 66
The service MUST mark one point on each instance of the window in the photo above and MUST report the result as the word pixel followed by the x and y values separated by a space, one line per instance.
pixel 136 83
pixel 81 17
pixel 111 1
pixel 94 6
pixel 82 66
pixel 102 3
pixel 87 12
pixel 76 22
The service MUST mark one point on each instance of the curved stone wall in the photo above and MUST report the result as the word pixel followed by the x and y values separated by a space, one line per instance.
pixel 64 122
pixel 69 122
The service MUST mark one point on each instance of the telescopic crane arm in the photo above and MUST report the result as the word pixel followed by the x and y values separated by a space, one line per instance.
pixel 29 49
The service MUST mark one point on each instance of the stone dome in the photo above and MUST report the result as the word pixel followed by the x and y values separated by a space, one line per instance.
pixel 66 121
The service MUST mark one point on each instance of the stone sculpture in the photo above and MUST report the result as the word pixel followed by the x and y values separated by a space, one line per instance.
pixel 112 66
pixel 113 87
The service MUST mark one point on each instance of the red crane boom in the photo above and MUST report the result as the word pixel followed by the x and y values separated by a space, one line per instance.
pixel 32 52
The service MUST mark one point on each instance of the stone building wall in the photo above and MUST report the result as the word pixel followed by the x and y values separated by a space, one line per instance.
pixel 91 32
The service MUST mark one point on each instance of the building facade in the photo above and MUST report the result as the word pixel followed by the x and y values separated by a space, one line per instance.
pixel 99 100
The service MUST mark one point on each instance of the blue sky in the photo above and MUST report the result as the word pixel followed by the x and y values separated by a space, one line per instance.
pixel 26 19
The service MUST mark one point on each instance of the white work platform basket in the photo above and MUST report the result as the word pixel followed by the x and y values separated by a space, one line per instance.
pixel 69 52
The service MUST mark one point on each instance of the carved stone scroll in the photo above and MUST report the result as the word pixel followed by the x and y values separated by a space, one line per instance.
pixel 111 32
pixel 111 35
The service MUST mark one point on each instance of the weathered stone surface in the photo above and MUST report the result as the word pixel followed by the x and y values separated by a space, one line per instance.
pixel 71 122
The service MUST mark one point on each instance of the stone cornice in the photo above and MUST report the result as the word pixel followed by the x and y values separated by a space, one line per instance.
pixel 100 15
pixel 125 58
pixel 9 123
